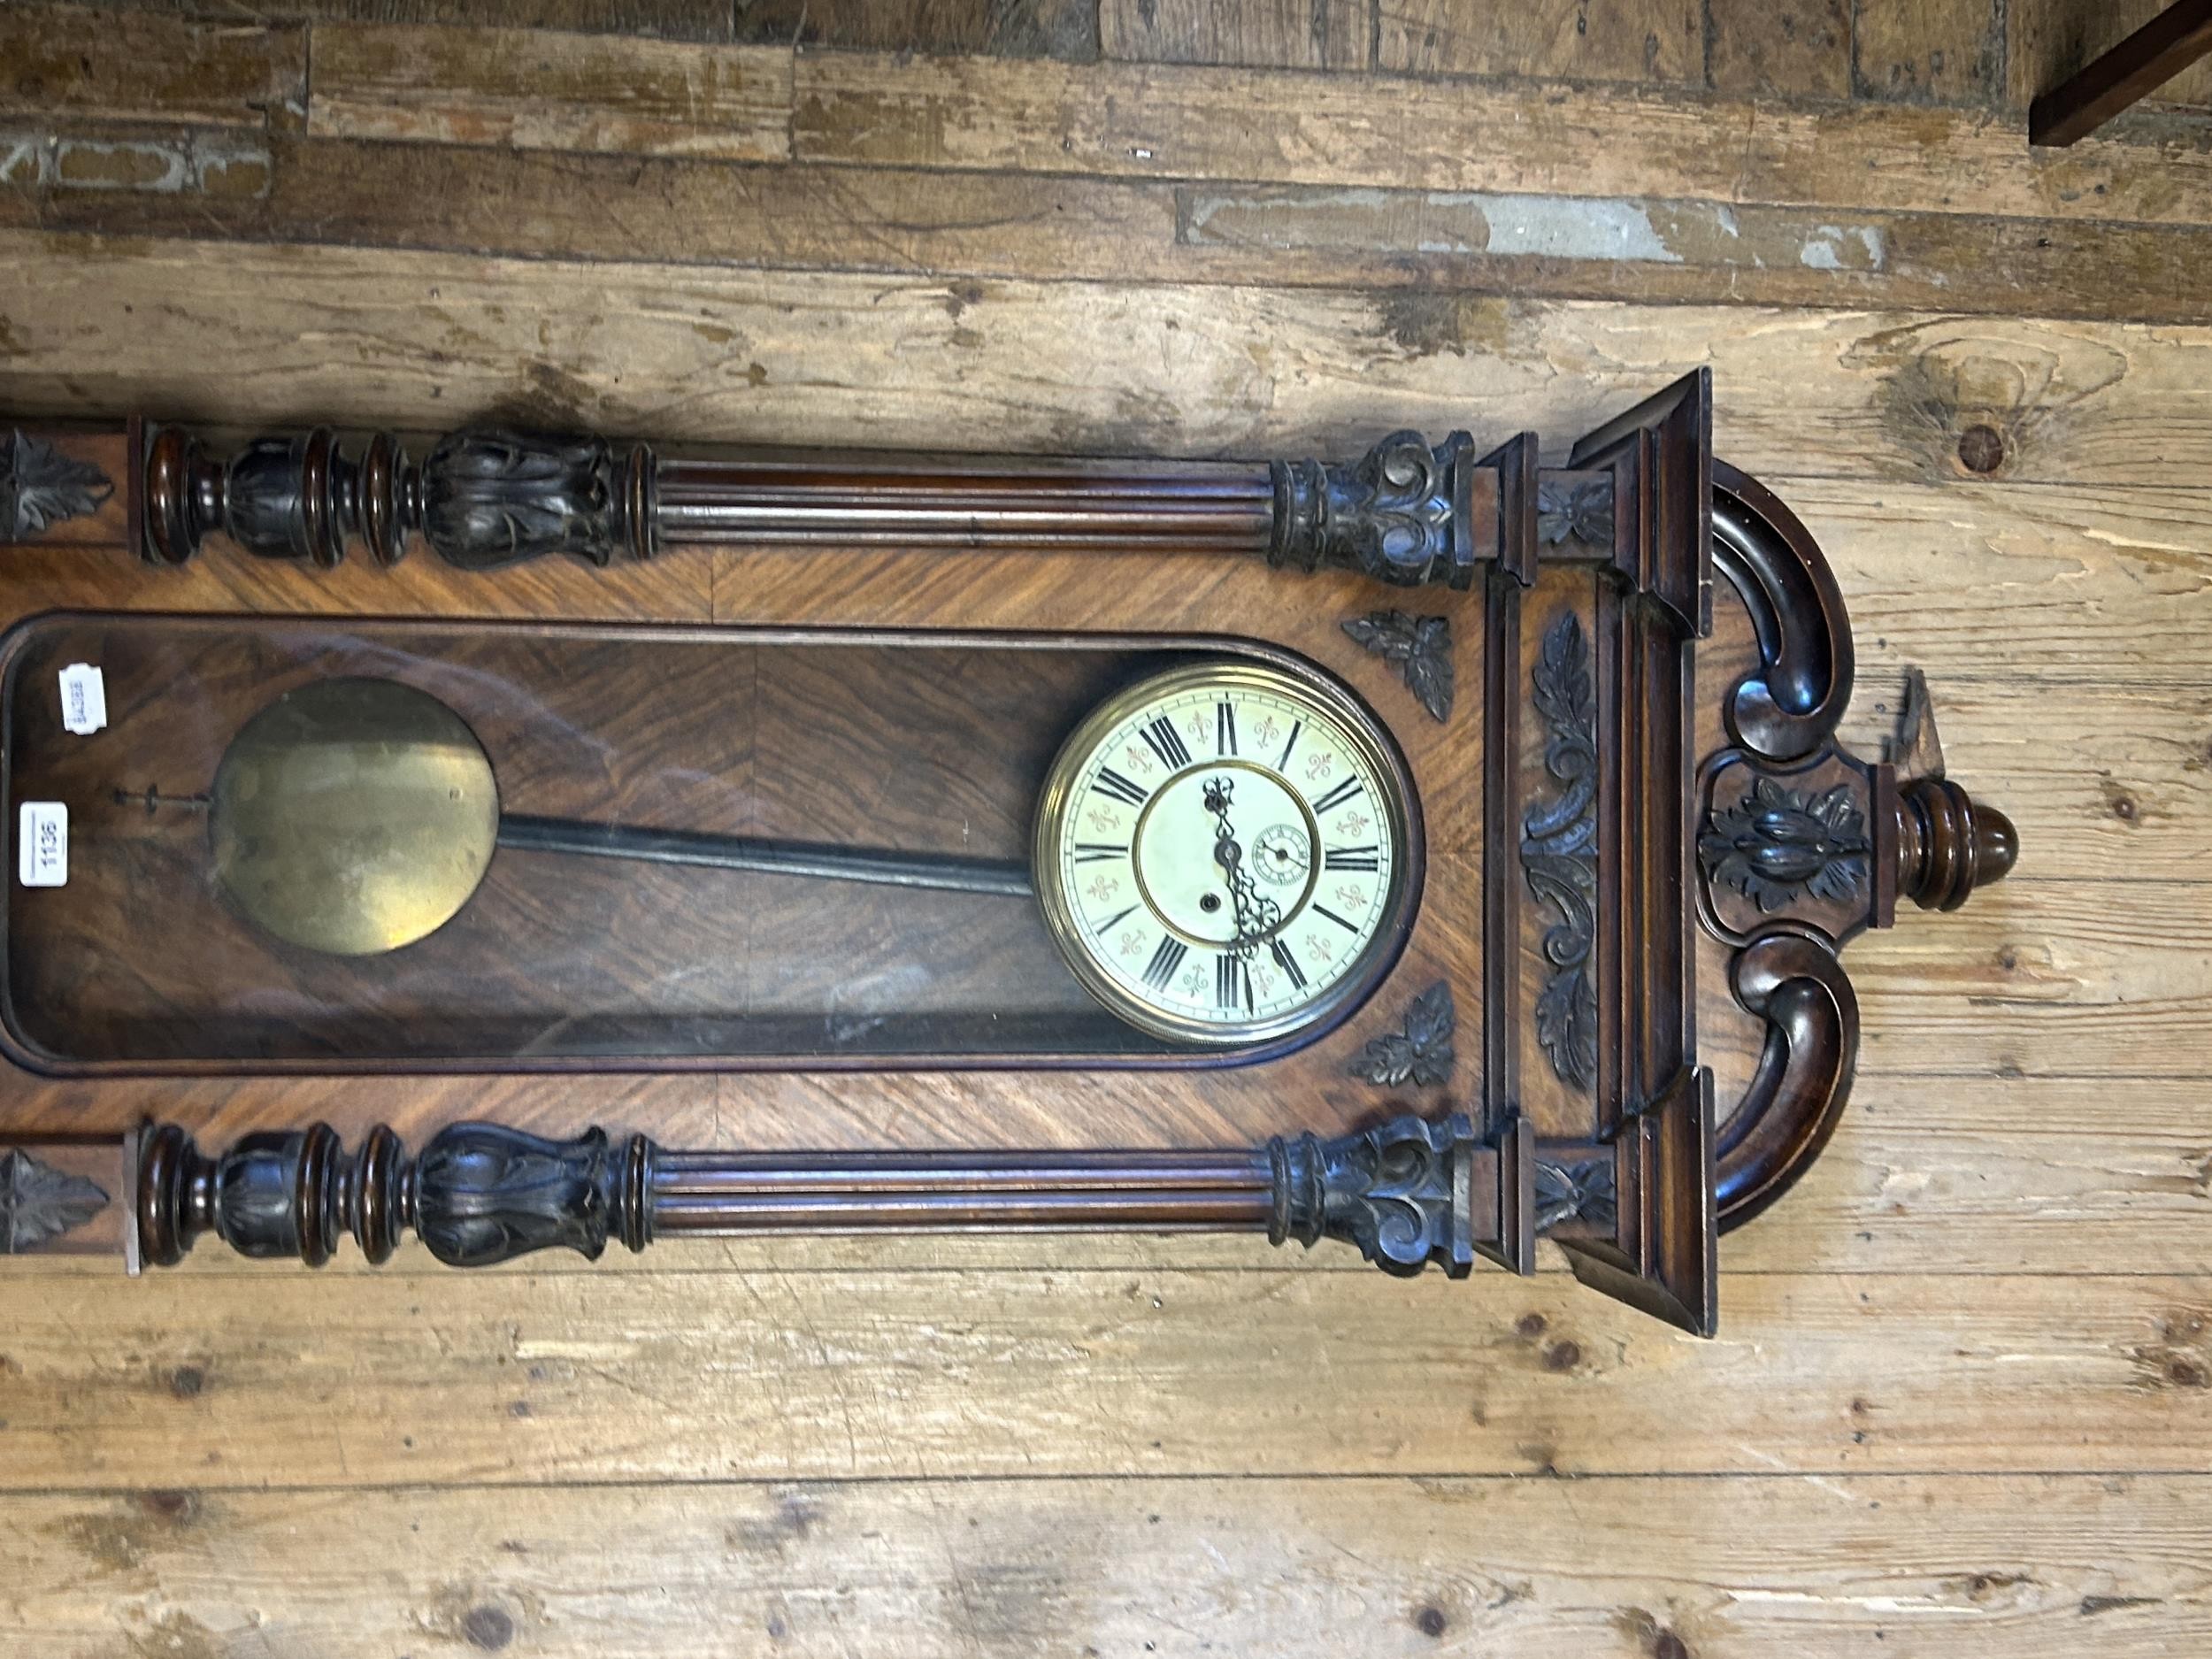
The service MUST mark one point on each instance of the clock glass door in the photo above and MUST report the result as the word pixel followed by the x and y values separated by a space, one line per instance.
pixel 299 844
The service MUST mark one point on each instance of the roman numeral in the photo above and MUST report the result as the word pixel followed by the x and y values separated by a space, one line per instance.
pixel 1232 985
pixel 1092 852
pixel 1225 729
pixel 1165 961
pixel 1296 726
pixel 1339 796
pixel 1288 962
pixel 1323 910
pixel 1167 743
pixel 1115 786
pixel 1352 858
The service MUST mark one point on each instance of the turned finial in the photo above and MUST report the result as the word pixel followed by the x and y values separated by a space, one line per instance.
pixel 1947 845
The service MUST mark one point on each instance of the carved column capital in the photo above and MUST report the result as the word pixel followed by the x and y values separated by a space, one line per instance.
pixel 1400 1193
pixel 1402 514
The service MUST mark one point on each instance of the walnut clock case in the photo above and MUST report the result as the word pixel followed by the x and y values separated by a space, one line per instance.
pixel 1347 838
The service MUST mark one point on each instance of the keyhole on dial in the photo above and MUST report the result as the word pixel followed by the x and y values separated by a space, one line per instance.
pixel 1209 902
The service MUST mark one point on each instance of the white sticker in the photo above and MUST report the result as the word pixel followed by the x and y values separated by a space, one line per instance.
pixel 43 844
pixel 84 699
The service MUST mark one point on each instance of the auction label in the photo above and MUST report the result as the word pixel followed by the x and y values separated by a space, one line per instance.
pixel 84 699
pixel 43 844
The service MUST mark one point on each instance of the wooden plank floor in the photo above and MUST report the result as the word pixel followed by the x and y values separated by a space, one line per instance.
pixel 1961 1402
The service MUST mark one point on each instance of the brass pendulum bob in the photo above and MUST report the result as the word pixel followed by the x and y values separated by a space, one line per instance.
pixel 354 815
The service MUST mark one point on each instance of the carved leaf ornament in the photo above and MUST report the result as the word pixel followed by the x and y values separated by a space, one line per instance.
pixel 1559 853
pixel 1778 844
pixel 38 1202
pixel 1422 1053
pixel 40 486
pixel 1421 647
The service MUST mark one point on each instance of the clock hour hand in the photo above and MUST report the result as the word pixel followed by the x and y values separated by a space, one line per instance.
pixel 1255 914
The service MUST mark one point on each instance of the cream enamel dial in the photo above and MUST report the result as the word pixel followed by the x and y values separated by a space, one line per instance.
pixel 1224 854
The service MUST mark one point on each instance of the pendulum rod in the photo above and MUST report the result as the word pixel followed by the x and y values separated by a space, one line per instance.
pixel 878 865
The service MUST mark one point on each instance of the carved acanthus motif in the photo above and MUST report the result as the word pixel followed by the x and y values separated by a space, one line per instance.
pixel 495 499
pixel 39 1203
pixel 1396 1192
pixel 1422 1053
pixel 1400 515
pixel 485 1193
pixel 1584 1189
pixel 1776 844
pixel 1583 512
pixel 1421 647
pixel 40 486
pixel 1559 853
pixel 480 500
pixel 476 1195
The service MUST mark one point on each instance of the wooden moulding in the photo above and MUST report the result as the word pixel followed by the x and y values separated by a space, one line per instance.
pixel 2128 72
pixel 1529 1066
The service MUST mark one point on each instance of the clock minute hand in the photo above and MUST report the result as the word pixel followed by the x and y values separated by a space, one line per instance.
pixel 1255 914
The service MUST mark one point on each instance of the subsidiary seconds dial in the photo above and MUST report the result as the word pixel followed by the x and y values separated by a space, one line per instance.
pixel 1224 852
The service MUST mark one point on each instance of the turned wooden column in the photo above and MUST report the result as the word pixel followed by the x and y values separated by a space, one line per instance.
pixel 1404 1193
pixel 1405 513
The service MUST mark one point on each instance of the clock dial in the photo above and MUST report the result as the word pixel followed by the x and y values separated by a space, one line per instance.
pixel 1223 852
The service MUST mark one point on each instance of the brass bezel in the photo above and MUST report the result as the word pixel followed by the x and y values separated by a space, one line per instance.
pixel 1335 703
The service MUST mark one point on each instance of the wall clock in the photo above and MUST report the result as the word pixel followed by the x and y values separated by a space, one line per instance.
pixel 1321 849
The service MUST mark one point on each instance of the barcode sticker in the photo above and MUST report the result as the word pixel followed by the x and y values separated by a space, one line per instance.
pixel 84 698
pixel 43 844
